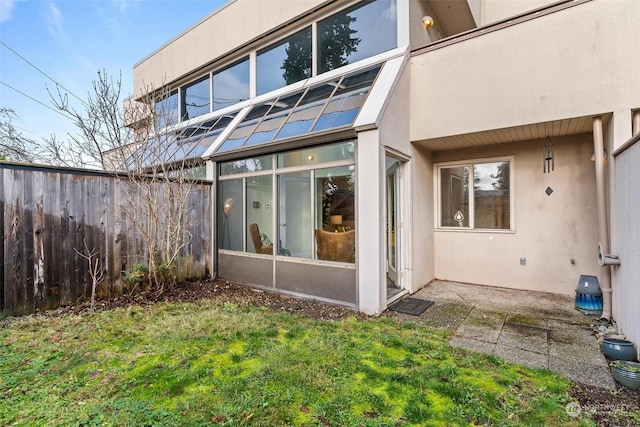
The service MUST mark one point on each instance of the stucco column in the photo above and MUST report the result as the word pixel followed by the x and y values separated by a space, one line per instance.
pixel 603 234
pixel 370 225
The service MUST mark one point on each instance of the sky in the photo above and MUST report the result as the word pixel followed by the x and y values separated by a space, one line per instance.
pixel 71 41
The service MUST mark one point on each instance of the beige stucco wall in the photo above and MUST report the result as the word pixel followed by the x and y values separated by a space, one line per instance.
pixel 221 33
pixel 576 62
pixel 495 10
pixel 394 125
pixel 550 231
pixel 422 211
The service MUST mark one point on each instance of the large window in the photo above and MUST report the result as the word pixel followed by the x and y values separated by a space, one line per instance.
pixel 287 62
pixel 314 206
pixel 475 195
pixel 362 31
pixel 231 85
pixel 196 98
pixel 357 33
pixel 166 110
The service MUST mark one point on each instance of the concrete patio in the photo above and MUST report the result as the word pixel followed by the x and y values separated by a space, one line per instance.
pixel 535 329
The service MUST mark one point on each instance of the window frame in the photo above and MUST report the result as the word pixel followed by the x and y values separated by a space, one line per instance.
pixel 471 163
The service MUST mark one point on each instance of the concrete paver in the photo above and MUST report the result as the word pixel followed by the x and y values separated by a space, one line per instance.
pixel 535 329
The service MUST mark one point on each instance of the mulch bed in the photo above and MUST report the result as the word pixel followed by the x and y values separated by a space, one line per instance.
pixel 605 407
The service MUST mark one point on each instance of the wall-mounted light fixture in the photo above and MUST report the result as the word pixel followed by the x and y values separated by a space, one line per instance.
pixel 427 21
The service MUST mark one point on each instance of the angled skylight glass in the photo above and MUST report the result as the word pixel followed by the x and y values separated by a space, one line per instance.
pixel 307 111
pixel 346 101
pixel 187 143
pixel 280 110
pixel 328 105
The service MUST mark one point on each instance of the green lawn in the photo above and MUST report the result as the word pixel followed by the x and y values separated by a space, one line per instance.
pixel 211 363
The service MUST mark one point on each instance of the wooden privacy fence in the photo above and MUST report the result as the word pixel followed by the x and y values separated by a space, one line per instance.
pixel 48 213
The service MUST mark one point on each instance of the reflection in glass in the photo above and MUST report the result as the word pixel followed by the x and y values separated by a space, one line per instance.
pixel 273 121
pixel 230 212
pixel 454 194
pixel 332 104
pixel 317 155
pixel 259 211
pixel 347 101
pixel 196 98
pixel 231 85
pixel 307 110
pixel 287 62
pixel 356 34
pixel 166 110
pixel 195 140
pixel 491 195
pixel 254 164
pixel 245 128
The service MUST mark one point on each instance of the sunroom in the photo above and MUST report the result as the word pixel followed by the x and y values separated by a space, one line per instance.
pixel 305 130
pixel 299 174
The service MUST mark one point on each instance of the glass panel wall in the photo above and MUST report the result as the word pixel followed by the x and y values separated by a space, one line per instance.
pixel 318 154
pixel 335 214
pixel 255 164
pixel 166 110
pixel 356 34
pixel 315 204
pixel 260 214
pixel 196 98
pixel 231 85
pixel 294 214
pixel 230 214
pixel 287 62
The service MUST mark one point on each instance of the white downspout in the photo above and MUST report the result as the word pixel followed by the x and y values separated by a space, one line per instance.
pixel 603 235
pixel 635 123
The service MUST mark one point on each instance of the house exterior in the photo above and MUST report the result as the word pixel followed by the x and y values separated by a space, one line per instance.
pixel 361 149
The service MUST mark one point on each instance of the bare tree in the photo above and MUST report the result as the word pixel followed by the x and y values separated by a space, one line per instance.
pixel 151 160
pixel 13 145
pixel 95 268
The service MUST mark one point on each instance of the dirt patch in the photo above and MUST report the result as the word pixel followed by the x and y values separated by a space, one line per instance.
pixel 219 291
pixel 608 407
